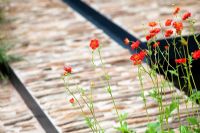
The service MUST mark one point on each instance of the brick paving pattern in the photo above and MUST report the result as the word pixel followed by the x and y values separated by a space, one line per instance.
pixel 15 117
pixel 50 35
pixel 133 15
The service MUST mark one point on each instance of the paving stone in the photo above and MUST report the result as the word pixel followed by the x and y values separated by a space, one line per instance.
pixel 133 16
pixel 50 35
pixel 15 116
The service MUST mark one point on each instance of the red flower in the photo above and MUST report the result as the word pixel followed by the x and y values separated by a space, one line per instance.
pixel 168 33
pixel 126 41
pixel 176 11
pixel 152 24
pixel 178 26
pixel 168 22
pixel 137 58
pixel 186 15
pixel 71 100
pixel 180 61
pixel 196 54
pixel 155 30
pixel 149 36
pixel 135 45
pixel 166 47
pixel 156 44
pixel 94 44
pixel 67 70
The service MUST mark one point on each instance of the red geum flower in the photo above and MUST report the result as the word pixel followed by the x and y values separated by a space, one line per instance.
pixel 178 26
pixel 152 24
pixel 137 58
pixel 196 54
pixel 176 11
pixel 168 33
pixel 135 45
pixel 166 47
pixel 180 60
pixel 168 22
pixel 156 44
pixel 142 54
pixel 126 41
pixel 149 36
pixel 186 15
pixel 68 69
pixel 71 100
pixel 94 44
pixel 155 30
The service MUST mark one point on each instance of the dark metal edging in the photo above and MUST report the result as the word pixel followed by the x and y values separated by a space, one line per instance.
pixel 113 30
pixel 30 101
pixel 116 32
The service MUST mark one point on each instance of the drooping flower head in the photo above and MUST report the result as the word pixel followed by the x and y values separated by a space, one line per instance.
pixel 150 36
pixel 166 47
pixel 126 41
pixel 186 15
pixel 168 22
pixel 196 55
pixel 67 70
pixel 156 44
pixel 135 45
pixel 94 44
pixel 168 33
pixel 180 60
pixel 152 24
pixel 71 100
pixel 176 11
pixel 155 30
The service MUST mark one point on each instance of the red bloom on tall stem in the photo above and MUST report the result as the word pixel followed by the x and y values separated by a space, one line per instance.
pixel 71 100
pixel 176 11
pixel 155 30
pixel 137 58
pixel 135 45
pixel 196 54
pixel 94 44
pixel 168 22
pixel 126 41
pixel 178 26
pixel 67 70
pixel 149 36
pixel 152 24
pixel 168 33
pixel 166 47
pixel 156 44
pixel 180 61
pixel 186 15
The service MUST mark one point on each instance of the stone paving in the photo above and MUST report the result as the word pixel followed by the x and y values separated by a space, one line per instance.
pixel 15 117
pixel 50 35
pixel 133 15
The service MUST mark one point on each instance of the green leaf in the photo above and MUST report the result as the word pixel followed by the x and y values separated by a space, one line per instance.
pixel 193 120
pixel 184 129
pixel 153 127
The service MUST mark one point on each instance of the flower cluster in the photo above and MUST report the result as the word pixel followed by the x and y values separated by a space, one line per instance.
pixel 138 57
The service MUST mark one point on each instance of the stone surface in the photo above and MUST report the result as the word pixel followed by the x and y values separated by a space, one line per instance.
pixel 15 117
pixel 134 15
pixel 50 35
